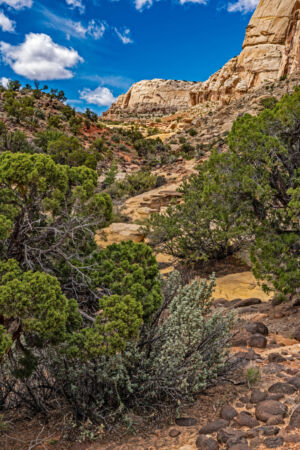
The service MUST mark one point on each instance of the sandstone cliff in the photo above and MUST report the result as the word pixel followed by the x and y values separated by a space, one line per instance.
pixel 271 50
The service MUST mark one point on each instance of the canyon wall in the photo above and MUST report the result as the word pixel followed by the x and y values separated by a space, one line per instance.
pixel 271 50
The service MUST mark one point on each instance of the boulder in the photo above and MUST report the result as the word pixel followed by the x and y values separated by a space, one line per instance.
pixel 185 422
pixel 295 418
pixel 228 412
pixel 258 341
pixel 245 419
pixel 258 396
pixel 206 443
pixel 296 334
pixel 257 328
pixel 268 408
pixel 282 388
pixel 212 427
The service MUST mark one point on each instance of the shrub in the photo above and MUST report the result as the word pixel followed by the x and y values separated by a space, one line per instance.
pixel 129 269
pixel 134 184
pixel 75 123
pixel 68 150
pixel 192 132
pixel 269 102
pixel 53 121
pixel 176 356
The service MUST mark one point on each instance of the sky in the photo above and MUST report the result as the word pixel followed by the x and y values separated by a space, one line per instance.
pixel 95 49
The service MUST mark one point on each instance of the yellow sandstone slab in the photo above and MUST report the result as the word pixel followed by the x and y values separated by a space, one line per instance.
pixel 239 285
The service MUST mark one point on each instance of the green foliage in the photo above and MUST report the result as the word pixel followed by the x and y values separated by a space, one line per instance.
pixel 53 121
pixel 192 132
pixel 14 85
pixel 252 376
pixel 43 138
pixel 268 103
pixel 129 269
pixel 134 184
pixel 75 123
pixel 15 141
pixel 68 150
pixel 111 174
pixel 49 213
pixel 249 194
pixel 21 109
pixel 35 301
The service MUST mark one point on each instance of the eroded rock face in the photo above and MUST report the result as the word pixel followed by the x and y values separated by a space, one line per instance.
pixel 271 50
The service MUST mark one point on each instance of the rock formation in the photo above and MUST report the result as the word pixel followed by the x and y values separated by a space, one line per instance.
pixel 271 50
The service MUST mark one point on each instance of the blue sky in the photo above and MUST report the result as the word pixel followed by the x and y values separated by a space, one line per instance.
pixel 95 49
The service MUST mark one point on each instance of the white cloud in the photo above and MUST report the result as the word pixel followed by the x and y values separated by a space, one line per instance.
pixel 17 4
pixel 125 36
pixel 200 2
pixel 4 82
pixel 116 81
pixel 243 6
pixel 93 28
pixel 101 96
pixel 76 4
pixel 6 24
pixel 140 4
pixel 39 58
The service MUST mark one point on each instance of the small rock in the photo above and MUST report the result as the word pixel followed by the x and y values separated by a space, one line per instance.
pixel 206 443
pixel 289 437
pixel 258 396
pixel 269 430
pixel 174 433
pixel 297 333
pixel 274 442
pixel 276 357
pixel 229 434
pixel 273 368
pixel 295 418
pixel 248 302
pixel 212 427
pixel 258 341
pixel 185 421
pixel 257 328
pixel 266 409
pixel 241 446
pixel 245 419
pixel 282 388
pixel 228 412
pixel 295 381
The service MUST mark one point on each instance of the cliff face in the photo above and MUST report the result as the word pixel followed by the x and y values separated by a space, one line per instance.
pixel 271 50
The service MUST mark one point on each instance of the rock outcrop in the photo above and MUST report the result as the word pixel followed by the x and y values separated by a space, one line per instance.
pixel 271 50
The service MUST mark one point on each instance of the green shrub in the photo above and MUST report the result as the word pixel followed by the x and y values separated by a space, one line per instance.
pixel 130 269
pixel 68 150
pixel 134 184
pixel 54 121
pixel 192 132
pixel 269 102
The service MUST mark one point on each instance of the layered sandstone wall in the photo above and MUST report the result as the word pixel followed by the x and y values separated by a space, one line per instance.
pixel 271 50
